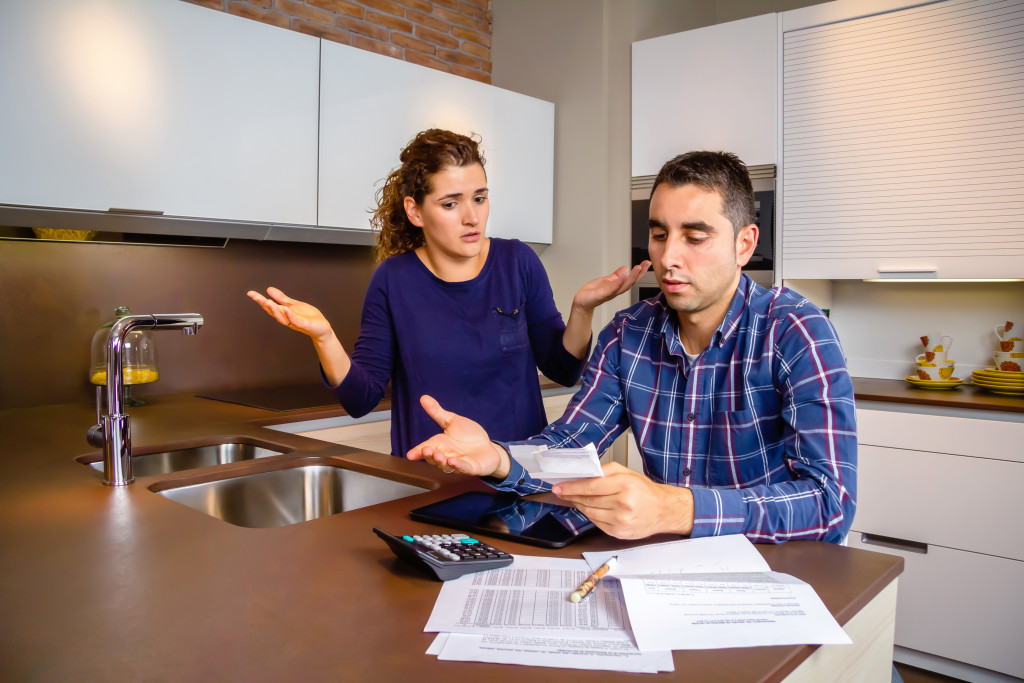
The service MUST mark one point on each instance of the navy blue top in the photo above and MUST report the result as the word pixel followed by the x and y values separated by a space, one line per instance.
pixel 475 346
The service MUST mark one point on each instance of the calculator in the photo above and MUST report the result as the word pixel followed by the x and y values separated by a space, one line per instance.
pixel 446 556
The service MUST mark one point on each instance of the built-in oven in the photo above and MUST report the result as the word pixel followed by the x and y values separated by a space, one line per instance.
pixel 761 267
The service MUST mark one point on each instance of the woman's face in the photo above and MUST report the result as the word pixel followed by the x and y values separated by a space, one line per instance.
pixel 454 215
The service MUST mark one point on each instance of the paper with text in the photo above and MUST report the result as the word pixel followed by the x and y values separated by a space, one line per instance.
pixel 708 611
pixel 530 598
pixel 563 652
pixel 733 553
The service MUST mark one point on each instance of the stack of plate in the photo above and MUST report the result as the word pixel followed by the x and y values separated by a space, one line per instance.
pixel 950 383
pixel 999 381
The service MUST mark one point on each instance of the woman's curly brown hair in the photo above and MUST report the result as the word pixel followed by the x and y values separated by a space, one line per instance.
pixel 431 151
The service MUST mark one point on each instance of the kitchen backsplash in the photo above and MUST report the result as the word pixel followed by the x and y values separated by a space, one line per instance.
pixel 57 294
pixel 880 324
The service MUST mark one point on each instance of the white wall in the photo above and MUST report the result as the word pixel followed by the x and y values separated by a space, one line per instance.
pixel 576 53
pixel 570 52
pixel 880 324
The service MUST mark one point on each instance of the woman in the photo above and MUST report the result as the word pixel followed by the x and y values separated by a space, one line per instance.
pixel 449 311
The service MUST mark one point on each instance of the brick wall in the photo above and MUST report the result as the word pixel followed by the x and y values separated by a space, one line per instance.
pixel 448 35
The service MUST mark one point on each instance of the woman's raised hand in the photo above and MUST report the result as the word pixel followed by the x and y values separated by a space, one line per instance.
pixel 604 289
pixel 293 313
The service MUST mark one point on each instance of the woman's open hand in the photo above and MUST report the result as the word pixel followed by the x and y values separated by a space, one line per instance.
pixel 604 289
pixel 293 313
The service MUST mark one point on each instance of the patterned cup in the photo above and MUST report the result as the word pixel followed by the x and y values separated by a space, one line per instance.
pixel 1003 332
pixel 932 358
pixel 1008 362
pixel 936 343
pixel 1014 345
pixel 935 371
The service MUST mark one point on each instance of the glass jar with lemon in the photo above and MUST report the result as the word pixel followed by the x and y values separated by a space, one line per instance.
pixel 138 358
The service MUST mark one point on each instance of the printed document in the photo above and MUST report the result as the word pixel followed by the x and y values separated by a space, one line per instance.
pixel 733 553
pixel 716 592
pixel 522 615
pixel 561 653
pixel 530 598
pixel 708 611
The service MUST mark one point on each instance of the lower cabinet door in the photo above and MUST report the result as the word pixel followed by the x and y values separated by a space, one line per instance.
pixel 960 605
pixel 371 435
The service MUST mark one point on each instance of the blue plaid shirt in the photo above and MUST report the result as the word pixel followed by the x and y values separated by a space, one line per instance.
pixel 761 427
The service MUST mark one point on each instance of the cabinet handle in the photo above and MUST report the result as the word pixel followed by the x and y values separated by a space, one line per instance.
pixel 139 212
pixel 895 543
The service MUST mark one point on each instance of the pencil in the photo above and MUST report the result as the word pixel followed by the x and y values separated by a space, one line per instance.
pixel 587 587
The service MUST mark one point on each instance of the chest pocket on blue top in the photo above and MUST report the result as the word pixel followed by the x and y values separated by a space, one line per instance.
pixel 511 324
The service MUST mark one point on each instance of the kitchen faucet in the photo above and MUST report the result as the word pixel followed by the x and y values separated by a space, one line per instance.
pixel 113 430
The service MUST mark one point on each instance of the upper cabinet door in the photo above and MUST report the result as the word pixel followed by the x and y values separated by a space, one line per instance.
pixel 371 106
pixel 903 134
pixel 156 105
pixel 709 88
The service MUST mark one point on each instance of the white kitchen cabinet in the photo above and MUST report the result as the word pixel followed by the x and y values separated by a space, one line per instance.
pixel 709 88
pixel 156 106
pixel 941 492
pixel 368 434
pixel 371 106
pixel 902 135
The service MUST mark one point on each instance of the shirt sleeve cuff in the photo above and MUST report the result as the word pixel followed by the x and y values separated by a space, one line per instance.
pixel 518 480
pixel 718 512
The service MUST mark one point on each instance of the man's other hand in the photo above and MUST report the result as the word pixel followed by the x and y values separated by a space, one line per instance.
pixel 626 504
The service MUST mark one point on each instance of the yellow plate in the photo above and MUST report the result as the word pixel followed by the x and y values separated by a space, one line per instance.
pixel 1000 374
pixel 997 385
pixel 934 383
pixel 998 380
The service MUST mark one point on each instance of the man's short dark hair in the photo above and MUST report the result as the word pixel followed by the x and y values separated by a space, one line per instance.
pixel 720 172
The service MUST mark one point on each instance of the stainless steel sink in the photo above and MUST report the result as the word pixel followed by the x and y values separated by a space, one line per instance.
pixel 287 496
pixel 190 458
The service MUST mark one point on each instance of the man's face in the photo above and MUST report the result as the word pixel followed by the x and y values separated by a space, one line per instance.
pixel 694 251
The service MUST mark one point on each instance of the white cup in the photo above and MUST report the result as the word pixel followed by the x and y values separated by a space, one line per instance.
pixel 937 343
pixel 1003 331
pixel 932 357
pixel 934 372
pixel 1012 345
pixel 1008 362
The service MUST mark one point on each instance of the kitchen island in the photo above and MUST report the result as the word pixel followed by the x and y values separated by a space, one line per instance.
pixel 106 583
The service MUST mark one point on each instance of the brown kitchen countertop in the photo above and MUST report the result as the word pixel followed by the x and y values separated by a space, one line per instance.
pixel 103 583
pixel 965 396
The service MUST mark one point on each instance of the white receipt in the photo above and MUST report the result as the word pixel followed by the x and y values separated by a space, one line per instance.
pixel 554 465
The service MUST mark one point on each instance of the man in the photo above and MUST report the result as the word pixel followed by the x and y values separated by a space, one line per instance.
pixel 738 397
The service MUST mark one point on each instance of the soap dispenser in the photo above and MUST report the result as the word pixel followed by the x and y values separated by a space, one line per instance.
pixel 138 357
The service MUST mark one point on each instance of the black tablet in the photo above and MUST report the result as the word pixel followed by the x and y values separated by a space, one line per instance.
pixel 508 516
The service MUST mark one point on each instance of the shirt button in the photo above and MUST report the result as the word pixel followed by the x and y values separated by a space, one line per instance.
pixel 690 417
pixel 687 472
